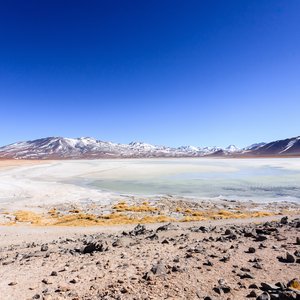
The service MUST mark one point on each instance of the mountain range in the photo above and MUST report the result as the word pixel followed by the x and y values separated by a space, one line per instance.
pixel 90 148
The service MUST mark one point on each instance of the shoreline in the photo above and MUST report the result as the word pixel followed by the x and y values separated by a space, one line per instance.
pixel 36 194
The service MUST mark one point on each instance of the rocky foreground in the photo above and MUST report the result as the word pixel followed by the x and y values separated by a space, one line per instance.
pixel 229 260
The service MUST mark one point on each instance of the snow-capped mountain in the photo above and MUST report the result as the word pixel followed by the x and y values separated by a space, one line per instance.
pixel 287 147
pixel 86 147
pixel 254 146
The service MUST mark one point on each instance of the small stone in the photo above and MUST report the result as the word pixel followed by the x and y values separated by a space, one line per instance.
pixel 225 258
pixel 53 273
pixel 260 238
pixel 264 296
pixel 46 281
pixel 123 290
pixel 290 258
pixel 12 283
pixel 208 263
pixel 284 220
pixel 152 237
pixel 294 284
pixel 245 269
pixel 94 247
pixel 253 286
pixel 257 266
pixel 165 227
pixel 245 276
pixel 265 286
pixel 138 230
pixel 228 232
pixel 252 294
pixel 251 250
pixel 62 288
pixel 44 247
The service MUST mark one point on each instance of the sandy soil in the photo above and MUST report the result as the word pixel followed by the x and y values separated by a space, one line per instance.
pixel 222 259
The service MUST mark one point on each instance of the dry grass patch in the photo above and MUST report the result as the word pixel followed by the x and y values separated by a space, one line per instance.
pixel 195 215
pixel 144 207
pixel 28 217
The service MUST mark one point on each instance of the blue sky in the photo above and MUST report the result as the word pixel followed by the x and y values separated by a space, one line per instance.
pixel 166 72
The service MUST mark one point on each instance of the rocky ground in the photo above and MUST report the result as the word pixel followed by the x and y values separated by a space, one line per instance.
pixel 227 259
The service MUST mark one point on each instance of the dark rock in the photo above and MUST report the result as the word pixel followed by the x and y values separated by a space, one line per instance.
pixel 260 238
pixel 203 229
pixel 166 227
pixel 73 281
pixel 228 232
pixel 281 285
pixel 12 283
pixel 265 286
pixel 248 233
pixel 262 246
pixel 264 296
pixel 252 294
pixel 253 286
pixel 257 266
pixel 123 290
pixel 44 247
pixel 245 269
pixel 284 220
pixel 138 230
pixel 222 287
pixel 290 258
pixel 225 258
pixel 152 237
pixel 176 259
pixel 94 247
pixel 208 263
pixel 46 281
pixel 251 250
pixel 245 275
pixel 53 273
pixel 176 269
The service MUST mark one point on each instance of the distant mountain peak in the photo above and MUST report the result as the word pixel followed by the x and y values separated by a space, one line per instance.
pixel 232 148
pixel 91 148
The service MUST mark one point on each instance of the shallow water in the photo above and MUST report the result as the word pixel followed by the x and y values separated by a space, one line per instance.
pixel 239 179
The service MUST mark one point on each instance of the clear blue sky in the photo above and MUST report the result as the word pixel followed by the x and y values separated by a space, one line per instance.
pixel 165 72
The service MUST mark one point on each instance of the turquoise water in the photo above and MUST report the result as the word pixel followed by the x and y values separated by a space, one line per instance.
pixel 258 181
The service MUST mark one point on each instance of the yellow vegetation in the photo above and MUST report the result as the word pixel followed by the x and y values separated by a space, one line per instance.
pixel 28 216
pixel 123 206
pixel 192 218
pixel 53 212
pixel 194 215
pixel 125 214
pixel 294 284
